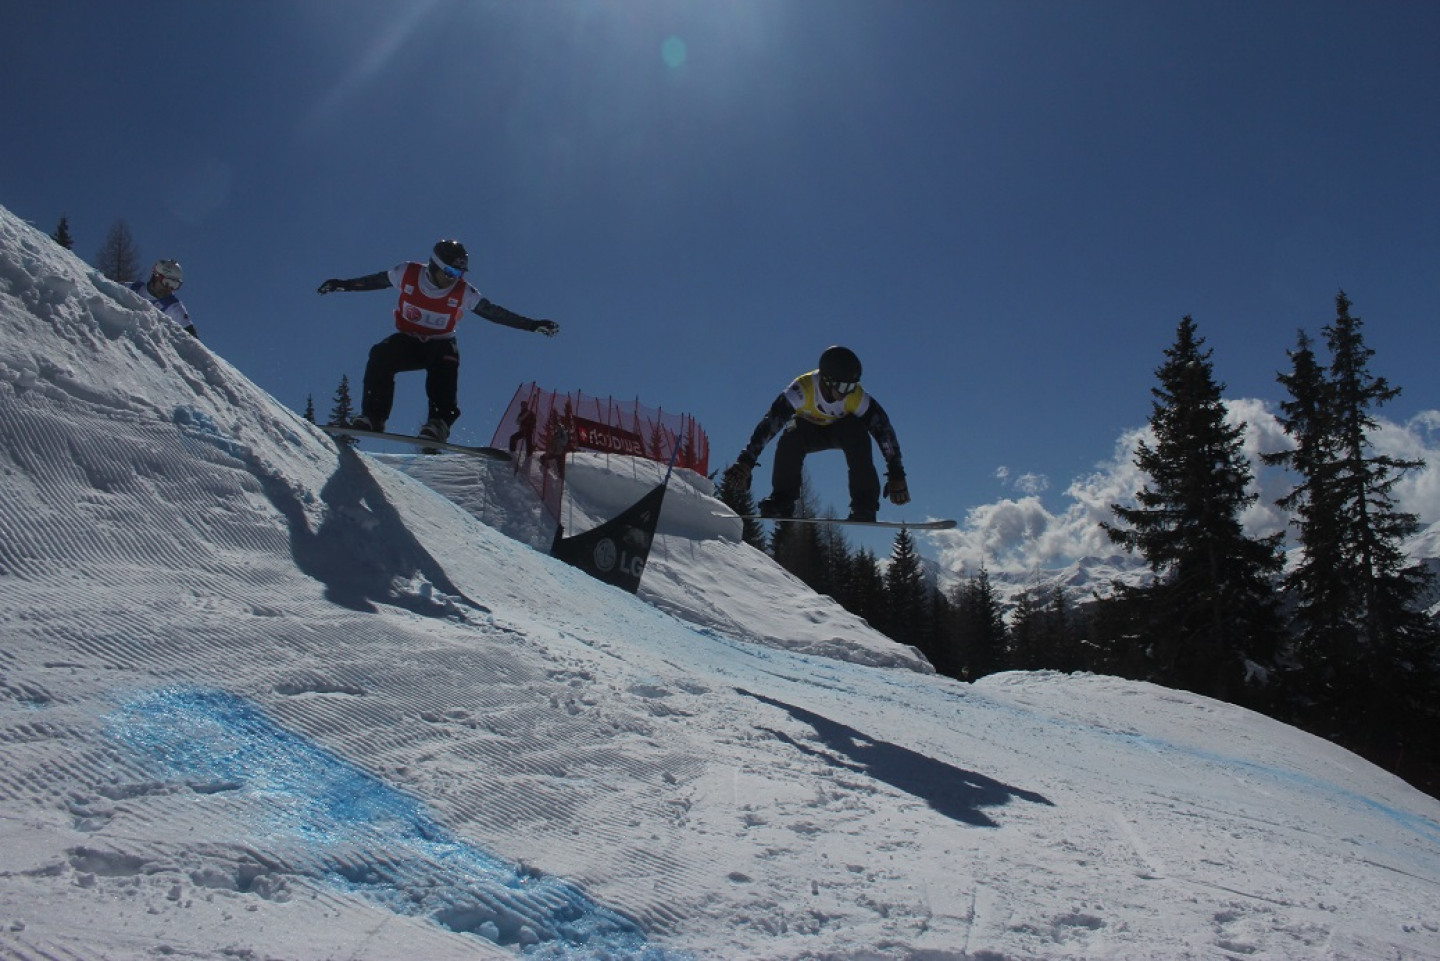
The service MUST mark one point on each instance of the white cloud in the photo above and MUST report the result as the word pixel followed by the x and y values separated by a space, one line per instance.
pixel 1027 483
pixel 1024 534
pixel 1418 439
pixel 1032 483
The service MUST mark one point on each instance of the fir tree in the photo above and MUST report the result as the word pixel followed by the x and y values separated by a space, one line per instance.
pixel 1315 589
pixel 939 631
pixel 1042 633
pixel 1367 653
pixel 905 592
pixel 739 499
pixel 980 627
pixel 1117 639
pixel 62 234
pixel 1063 646
pixel 1028 641
pixel 343 410
pixel 797 547
pixel 834 557
pixel 119 258
pixel 1372 529
pixel 864 588
pixel 310 408
pixel 1209 617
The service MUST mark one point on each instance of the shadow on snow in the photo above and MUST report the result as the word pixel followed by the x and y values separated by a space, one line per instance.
pixel 954 792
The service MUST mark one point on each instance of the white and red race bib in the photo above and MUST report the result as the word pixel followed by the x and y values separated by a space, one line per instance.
pixel 426 311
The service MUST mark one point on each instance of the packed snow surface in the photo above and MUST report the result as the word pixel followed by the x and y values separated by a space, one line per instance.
pixel 263 697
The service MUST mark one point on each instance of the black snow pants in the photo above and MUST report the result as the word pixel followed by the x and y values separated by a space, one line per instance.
pixel 440 359
pixel 847 434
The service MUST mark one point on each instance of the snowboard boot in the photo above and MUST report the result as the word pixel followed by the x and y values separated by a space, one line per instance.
pixel 775 507
pixel 435 429
pixel 364 423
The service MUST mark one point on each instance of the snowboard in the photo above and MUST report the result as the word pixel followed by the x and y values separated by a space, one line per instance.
pixel 493 453
pixel 942 525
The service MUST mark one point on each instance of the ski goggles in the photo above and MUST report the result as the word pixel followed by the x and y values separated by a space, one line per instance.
pixel 453 272
pixel 843 387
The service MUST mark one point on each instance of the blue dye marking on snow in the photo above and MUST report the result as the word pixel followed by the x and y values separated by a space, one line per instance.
pixel 1421 826
pixel 199 425
pixel 326 818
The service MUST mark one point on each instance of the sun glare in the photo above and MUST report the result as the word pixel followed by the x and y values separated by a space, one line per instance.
pixel 673 52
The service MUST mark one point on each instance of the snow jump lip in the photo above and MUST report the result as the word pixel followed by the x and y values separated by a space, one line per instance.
pixel 493 453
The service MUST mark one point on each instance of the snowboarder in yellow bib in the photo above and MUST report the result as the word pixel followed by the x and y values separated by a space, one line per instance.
pixel 826 409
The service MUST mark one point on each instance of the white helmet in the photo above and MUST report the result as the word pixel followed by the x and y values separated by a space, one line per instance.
pixel 168 274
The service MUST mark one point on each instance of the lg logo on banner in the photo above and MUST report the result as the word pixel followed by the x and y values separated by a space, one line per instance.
pixel 609 557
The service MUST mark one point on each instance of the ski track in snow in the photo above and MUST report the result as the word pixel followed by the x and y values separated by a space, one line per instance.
pixel 263 697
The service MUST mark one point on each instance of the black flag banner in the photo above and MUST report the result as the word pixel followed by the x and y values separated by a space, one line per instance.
pixel 616 551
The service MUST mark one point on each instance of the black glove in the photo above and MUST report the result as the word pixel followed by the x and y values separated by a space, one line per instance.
pixel 896 488
pixel 547 327
pixel 331 285
pixel 737 475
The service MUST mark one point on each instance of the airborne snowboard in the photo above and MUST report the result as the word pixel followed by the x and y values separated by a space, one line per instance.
pixel 493 453
pixel 943 525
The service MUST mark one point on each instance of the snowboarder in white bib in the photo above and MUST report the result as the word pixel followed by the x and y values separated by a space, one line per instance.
pixel 166 278
pixel 433 296
pixel 826 409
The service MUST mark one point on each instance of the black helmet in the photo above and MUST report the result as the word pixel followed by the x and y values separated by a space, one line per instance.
pixel 840 367
pixel 450 253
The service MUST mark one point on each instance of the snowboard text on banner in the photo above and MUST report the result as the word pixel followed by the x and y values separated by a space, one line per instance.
pixel 541 428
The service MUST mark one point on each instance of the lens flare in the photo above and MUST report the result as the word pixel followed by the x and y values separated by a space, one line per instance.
pixel 673 52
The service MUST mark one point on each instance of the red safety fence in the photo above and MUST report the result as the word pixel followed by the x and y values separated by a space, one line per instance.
pixel 548 424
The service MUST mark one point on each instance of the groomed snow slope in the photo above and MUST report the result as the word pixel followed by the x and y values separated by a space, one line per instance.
pixel 261 698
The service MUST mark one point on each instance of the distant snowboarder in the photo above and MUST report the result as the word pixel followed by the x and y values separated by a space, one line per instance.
pixel 166 278
pixel 432 298
pixel 826 409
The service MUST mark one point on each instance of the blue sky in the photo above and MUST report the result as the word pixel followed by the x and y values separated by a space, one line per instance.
pixel 1004 207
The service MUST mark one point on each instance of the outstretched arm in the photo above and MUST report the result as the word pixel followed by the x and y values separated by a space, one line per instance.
pixel 375 281
pixel 508 318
